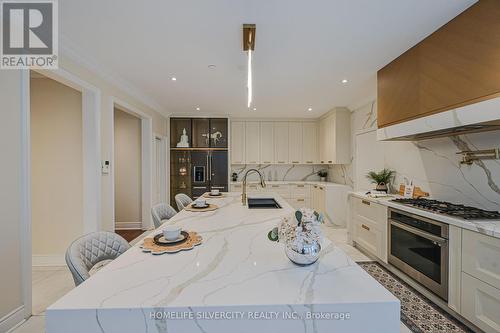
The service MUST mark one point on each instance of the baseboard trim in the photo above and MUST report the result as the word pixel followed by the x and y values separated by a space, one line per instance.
pixel 12 320
pixel 48 260
pixel 128 225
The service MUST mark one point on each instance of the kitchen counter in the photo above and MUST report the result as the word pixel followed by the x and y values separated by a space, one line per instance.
pixel 285 182
pixel 237 280
pixel 486 227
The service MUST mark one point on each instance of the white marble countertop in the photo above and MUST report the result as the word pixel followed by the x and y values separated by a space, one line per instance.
pixel 486 227
pixel 236 269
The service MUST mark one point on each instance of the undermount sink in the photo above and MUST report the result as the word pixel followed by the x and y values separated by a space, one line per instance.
pixel 263 203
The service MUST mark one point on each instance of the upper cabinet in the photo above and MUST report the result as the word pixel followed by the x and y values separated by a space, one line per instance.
pixel 335 137
pixel 252 142
pixel 281 138
pixel 309 142
pixel 457 65
pixel 292 142
pixel 295 148
pixel 237 142
pixel 267 142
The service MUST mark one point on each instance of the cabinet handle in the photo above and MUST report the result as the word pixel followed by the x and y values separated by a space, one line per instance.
pixel 330 161
pixel 300 185
pixel 366 202
pixel 295 162
pixel 281 161
pixel 253 162
pixel 315 186
pixel 310 162
pixel 266 162
pixel 365 227
pixel 322 162
pixel 300 200
pixel 275 186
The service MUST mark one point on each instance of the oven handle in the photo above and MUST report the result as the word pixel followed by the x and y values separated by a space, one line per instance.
pixel 438 240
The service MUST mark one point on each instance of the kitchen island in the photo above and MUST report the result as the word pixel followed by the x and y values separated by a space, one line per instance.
pixel 235 281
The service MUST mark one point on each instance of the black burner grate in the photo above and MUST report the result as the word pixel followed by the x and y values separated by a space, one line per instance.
pixel 456 210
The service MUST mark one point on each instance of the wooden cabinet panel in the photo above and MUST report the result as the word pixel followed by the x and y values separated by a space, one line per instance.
pixel 457 65
pixel 266 142
pixel 237 142
pixel 309 142
pixel 397 89
pixel 252 142
pixel 295 142
pixel 281 142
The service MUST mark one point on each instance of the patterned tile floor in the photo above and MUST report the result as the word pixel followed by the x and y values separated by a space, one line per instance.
pixel 418 313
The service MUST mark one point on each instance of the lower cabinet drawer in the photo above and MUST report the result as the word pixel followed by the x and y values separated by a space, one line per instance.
pixel 300 190
pixel 481 257
pixel 298 203
pixel 367 235
pixel 281 189
pixel 480 304
pixel 372 211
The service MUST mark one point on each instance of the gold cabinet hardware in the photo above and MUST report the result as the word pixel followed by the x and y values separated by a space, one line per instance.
pixel 300 185
pixel 281 161
pixel 330 161
pixel 295 162
pixel 365 227
pixel 300 200
pixel 266 162
pixel 310 162
pixel 366 202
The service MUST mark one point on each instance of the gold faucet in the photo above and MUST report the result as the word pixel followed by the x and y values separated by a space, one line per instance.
pixel 244 190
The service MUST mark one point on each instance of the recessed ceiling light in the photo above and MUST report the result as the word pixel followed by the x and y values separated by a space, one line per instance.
pixel 212 66
pixel 173 78
pixel 344 81
pixel 197 109
pixel 309 109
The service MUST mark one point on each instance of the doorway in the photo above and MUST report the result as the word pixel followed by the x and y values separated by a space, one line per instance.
pixel 62 190
pixel 160 172
pixel 132 169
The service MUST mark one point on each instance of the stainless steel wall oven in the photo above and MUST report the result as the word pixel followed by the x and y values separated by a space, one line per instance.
pixel 418 246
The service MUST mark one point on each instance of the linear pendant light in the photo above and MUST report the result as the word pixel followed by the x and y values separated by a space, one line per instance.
pixel 249 46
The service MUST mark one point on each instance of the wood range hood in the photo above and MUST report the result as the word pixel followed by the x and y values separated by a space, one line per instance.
pixel 448 84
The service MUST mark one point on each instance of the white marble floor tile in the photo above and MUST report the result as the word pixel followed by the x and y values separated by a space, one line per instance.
pixel 49 284
pixel 35 324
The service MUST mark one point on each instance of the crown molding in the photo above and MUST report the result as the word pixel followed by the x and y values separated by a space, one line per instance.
pixel 69 50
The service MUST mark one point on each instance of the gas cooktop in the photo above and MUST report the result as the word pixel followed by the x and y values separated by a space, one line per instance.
pixel 446 208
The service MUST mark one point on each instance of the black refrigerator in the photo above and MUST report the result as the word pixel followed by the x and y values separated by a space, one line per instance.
pixel 209 171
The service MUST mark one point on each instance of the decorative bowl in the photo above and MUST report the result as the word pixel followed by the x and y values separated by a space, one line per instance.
pixel 309 254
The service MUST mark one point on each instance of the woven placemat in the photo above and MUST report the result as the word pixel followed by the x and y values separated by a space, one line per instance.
pixel 150 246
pixel 207 209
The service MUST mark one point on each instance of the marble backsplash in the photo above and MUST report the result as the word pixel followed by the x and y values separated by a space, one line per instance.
pixel 431 164
pixel 279 172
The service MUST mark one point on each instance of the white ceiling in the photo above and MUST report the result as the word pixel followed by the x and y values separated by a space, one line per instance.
pixel 303 49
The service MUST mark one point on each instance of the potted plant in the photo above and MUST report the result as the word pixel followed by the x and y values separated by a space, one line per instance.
pixel 382 178
pixel 322 175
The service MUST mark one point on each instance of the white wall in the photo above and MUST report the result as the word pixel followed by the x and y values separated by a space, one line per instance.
pixel 56 168
pixel 109 90
pixel 11 297
pixel 127 169
pixel 432 164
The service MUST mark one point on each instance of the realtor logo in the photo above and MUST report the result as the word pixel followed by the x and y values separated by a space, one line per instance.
pixel 29 34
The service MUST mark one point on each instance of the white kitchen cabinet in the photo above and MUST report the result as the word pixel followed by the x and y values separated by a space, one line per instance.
pixel 335 137
pixel 237 142
pixel 481 257
pixel 455 267
pixel 281 129
pixel 480 304
pixel 295 142
pixel 369 226
pixel 309 142
pixel 267 142
pixel 252 142
pixel 318 198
